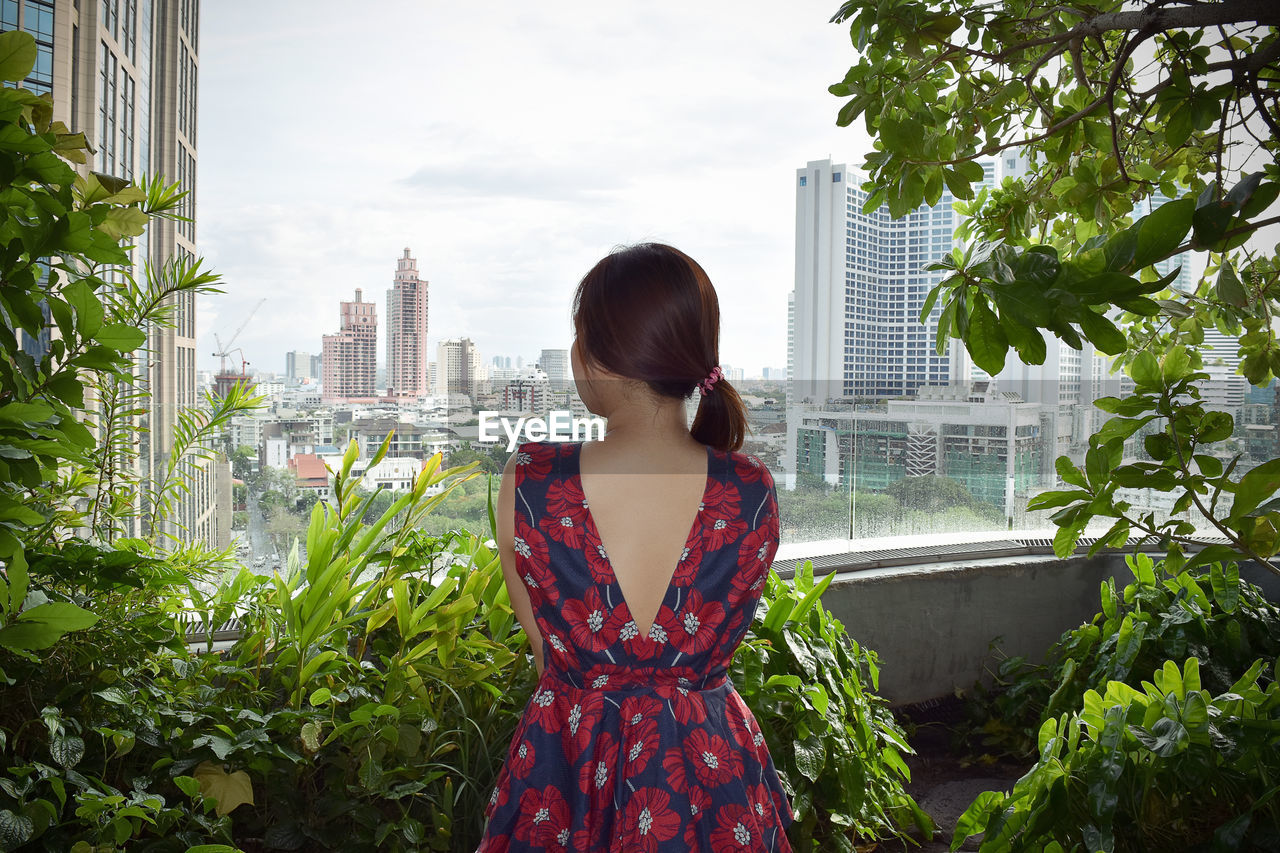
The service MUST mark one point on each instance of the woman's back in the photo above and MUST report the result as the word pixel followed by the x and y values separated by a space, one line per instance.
pixel 635 739
pixel 644 500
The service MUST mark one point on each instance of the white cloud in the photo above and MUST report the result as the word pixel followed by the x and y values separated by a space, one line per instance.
pixel 510 146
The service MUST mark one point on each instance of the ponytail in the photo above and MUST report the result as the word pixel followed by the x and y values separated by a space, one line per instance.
pixel 650 312
pixel 721 420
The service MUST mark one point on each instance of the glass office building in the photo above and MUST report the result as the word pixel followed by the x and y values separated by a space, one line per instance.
pixel 125 73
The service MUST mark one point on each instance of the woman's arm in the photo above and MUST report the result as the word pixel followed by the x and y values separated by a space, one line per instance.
pixel 506 518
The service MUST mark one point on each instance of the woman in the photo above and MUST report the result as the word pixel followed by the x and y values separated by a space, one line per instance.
pixel 635 565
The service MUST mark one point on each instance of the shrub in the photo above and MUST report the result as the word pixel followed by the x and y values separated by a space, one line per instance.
pixel 1126 763
pixel 1162 615
pixel 836 745
pixel 1165 767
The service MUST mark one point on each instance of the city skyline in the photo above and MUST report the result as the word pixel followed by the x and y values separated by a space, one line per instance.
pixel 650 123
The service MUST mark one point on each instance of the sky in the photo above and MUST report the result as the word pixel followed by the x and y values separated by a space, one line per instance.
pixel 509 146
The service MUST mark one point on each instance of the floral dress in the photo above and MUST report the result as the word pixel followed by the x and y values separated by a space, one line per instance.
pixel 639 742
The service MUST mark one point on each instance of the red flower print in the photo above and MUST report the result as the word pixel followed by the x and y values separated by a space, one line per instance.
pixel 499 795
pixel 566 514
pixel 760 803
pixel 586 707
pixel 565 497
pixel 688 706
pixel 713 762
pixel 690 558
pixel 721 516
pixel 555 641
pixel 494 844
pixel 596 776
pixel 637 708
pixel 522 759
pixel 657 633
pixel 560 843
pixel 593 625
pixel 748 468
pixel 736 714
pixel 636 644
pixel 591 838
pixel 533 462
pixel 546 709
pixel 533 563
pixel 649 820
pixel 639 743
pixel 695 628
pixel 677 769
pixel 736 829
pixel 743 726
pixel 755 553
pixel 699 802
pixel 721 500
pixel 597 559
pixel 543 815
pixel 720 532
pixel 730 635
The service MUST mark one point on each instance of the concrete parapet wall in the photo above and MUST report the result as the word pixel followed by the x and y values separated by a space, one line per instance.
pixel 933 625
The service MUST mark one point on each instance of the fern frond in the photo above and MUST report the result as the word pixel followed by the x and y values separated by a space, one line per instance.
pixel 194 430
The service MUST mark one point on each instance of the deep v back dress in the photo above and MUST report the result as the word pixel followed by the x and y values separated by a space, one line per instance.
pixel 631 742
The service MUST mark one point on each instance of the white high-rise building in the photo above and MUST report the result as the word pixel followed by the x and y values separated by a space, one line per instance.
pixel 458 367
pixel 555 363
pixel 860 283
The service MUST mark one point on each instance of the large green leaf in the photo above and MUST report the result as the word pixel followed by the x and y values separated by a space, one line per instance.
pixel 986 340
pixel 1162 231
pixel 120 337
pixel 228 790
pixel 17 55
pixel 1255 487
pixel 60 615
pixel 1102 333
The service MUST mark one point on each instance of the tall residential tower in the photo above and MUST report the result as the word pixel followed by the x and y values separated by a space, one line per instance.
pixel 350 357
pixel 407 374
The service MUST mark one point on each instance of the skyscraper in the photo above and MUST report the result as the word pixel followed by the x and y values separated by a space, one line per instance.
pixel 124 72
pixel 297 366
pixel 859 288
pixel 407 332
pixel 555 363
pixel 350 357
pixel 458 367
pixel 854 325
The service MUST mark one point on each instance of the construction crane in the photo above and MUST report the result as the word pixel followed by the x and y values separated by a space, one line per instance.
pixel 225 350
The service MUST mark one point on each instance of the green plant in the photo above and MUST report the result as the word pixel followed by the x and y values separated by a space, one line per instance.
pixel 80 724
pixel 1057 251
pixel 63 233
pixel 1167 766
pixel 837 747
pixel 1161 615
pixel 378 682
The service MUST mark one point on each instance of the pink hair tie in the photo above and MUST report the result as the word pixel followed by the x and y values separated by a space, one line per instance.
pixel 712 378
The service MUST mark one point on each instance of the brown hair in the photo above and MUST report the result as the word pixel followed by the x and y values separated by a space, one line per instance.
pixel 650 312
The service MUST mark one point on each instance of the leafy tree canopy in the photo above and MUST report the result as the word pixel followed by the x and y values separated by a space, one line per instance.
pixel 1110 102
pixel 1118 108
